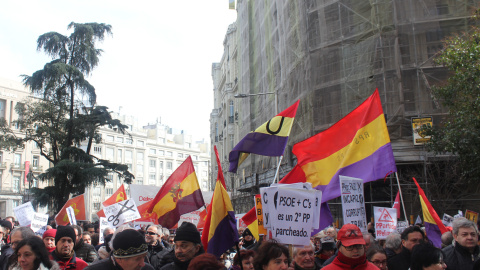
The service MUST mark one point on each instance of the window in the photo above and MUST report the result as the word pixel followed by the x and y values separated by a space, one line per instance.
pixel 119 155
pixel 153 163
pixel 169 154
pixel 96 206
pixel 180 155
pixel 160 164
pixel 139 181
pixel 35 161
pixel 18 160
pixel 97 150
pixel 231 116
pixel 110 177
pixel 16 183
pixel 152 176
pixel 153 151
pixel 3 104
pixel 139 168
pixel 188 145
pixel 110 138
pixel 109 153
pixel 169 165
pixel 161 152
pixel 195 157
pixel 161 140
pixel 128 156
pixel 141 143
pixel 108 192
pixel 128 141
pixel 204 173
pixel 130 167
pixel 119 140
pixel 1 156
pixel 34 182
pixel 140 156
pixel 232 142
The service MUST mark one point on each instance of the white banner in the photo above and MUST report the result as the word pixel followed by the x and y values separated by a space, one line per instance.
pixel 121 212
pixel 447 220
pixel 24 213
pixel 141 194
pixel 103 225
pixel 39 223
pixel 71 215
pixel 401 226
pixel 353 202
pixel 385 221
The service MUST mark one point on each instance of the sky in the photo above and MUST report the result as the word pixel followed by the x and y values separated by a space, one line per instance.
pixel 157 63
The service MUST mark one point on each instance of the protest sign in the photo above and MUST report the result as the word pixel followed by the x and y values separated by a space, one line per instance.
pixel 292 219
pixel 447 220
pixel 24 213
pixel 121 212
pixel 470 215
pixel 459 215
pixel 71 215
pixel 401 226
pixel 353 202
pixel 385 221
pixel 39 223
pixel 103 225
pixel 258 208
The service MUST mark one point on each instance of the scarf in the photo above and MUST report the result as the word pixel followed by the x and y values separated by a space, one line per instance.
pixel 353 262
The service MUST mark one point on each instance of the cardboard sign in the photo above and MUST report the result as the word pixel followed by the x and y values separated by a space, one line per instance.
pixel 71 215
pixel 419 136
pixel 460 214
pixel 103 225
pixel 258 208
pixel 39 223
pixel 24 214
pixel 353 202
pixel 385 221
pixel 121 212
pixel 401 226
pixel 470 215
pixel 447 220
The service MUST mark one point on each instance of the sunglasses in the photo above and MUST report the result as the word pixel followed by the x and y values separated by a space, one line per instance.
pixel 151 233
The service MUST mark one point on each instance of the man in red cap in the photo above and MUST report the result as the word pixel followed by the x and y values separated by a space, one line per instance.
pixel 351 250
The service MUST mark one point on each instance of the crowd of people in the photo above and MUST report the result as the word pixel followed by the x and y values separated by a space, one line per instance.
pixel 76 247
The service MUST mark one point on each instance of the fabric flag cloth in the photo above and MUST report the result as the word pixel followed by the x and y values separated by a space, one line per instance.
pixel 118 196
pixel 270 139
pixel 201 219
pixel 145 216
pixel 179 195
pixel 396 204
pixel 78 205
pixel 357 146
pixel 220 230
pixel 432 222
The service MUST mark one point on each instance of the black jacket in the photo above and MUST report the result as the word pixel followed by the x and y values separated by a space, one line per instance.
pixel 156 253
pixel 7 251
pixel 109 264
pixel 178 265
pixel 401 261
pixel 85 252
pixel 458 257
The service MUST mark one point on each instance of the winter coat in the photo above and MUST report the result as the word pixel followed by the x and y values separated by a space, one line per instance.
pixel 86 252
pixel 337 264
pixel 401 261
pixel 73 264
pixel 458 257
pixel 55 266
pixel 110 264
pixel 155 255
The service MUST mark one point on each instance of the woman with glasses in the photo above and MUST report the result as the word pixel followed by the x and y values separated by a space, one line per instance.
pixel 31 254
pixel 351 250
pixel 377 256
pixel 427 257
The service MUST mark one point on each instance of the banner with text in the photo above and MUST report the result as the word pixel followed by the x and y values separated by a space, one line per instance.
pixel 385 221
pixel 24 213
pixel 39 223
pixel 447 220
pixel 258 208
pixel 353 202
pixel 121 212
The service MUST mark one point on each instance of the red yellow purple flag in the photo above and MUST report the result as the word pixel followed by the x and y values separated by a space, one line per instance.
pixel 358 146
pixel 78 205
pixel 270 139
pixel 433 224
pixel 179 195
pixel 220 231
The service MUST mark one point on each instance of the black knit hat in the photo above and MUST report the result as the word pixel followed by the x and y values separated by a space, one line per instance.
pixel 247 232
pixel 187 232
pixel 65 231
pixel 129 243
pixel 7 224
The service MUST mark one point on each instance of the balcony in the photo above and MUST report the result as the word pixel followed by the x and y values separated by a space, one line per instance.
pixel 37 169
pixel 3 165
pixel 18 167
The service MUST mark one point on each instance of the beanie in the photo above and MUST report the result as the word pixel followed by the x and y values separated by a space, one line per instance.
pixel 129 243
pixel 187 232
pixel 247 232
pixel 49 233
pixel 65 231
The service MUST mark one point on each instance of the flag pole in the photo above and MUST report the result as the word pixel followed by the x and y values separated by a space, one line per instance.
pixel 401 196
pixel 278 167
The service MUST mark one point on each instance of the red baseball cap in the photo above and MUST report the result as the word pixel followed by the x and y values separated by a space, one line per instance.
pixel 350 235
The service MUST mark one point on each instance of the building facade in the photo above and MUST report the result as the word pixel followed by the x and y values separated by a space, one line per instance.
pixel 331 55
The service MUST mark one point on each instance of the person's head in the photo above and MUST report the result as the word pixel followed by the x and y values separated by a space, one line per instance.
pixel 171 239
pixel 108 231
pixel 87 238
pixel 377 256
pixel 49 238
pixel 90 228
pixel 129 249
pixel 166 234
pixel 304 256
pixel 187 242
pixel 412 236
pixel 205 262
pixel 247 235
pixel 153 234
pixel 11 219
pixel 350 241
pixel 247 259
pixel 30 253
pixel 447 238
pixel 65 240
pixel 95 239
pixel 427 257
pixel 240 231
pixel 78 233
pixel 369 240
pixel 18 234
pixel 394 242
pixel 465 233
pixel 6 227
pixel 327 246
pixel 3 231
pixel 271 255
pixel 332 232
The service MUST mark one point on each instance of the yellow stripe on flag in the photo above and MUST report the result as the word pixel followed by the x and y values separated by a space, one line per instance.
pixel 274 126
pixel 166 204
pixel 219 210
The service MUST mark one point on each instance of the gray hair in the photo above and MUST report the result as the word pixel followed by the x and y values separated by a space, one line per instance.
pixel 463 223
pixel 166 232
pixel 296 249
pixel 106 230
pixel 393 241
pixel 78 228
pixel 158 227
pixel 24 231
pixel 119 229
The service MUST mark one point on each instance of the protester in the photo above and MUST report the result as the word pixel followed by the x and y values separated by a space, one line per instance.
pixel 166 237
pixel 64 253
pixel 104 251
pixel 7 228
pixel 465 251
pixel 49 239
pixel 187 246
pixel 89 228
pixel 351 250
pixel 156 248
pixel 332 232
pixel 326 251
pixel 205 262
pixel 129 252
pixel 393 244
pixel 248 239
pixel 411 236
pixel 247 260
pixel 106 231
pixel 3 233
pixel 427 257
pixel 31 254
pixel 83 251
pixel 17 235
pixel 447 239
pixel 87 238
pixel 377 256
pixel 304 258
pixel 271 255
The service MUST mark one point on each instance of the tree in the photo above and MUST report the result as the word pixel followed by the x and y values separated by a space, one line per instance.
pixel 459 133
pixel 64 114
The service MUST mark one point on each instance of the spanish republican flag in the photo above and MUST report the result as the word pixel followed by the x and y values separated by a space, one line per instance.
pixel 358 146
pixel 78 205
pixel 220 231
pixel 179 195
pixel 270 139
pixel 433 224
pixel 118 196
